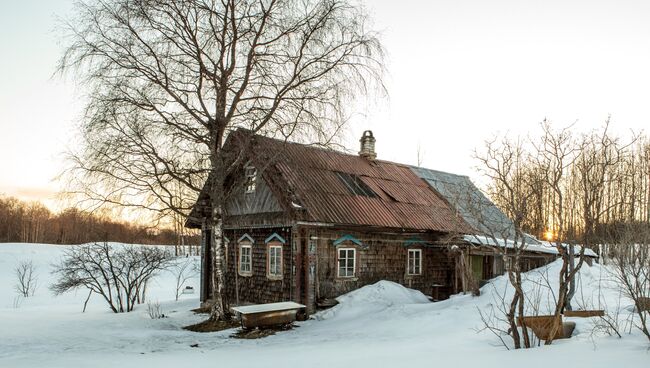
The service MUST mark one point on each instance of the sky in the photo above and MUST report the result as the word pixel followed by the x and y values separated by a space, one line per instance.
pixel 38 112
pixel 457 73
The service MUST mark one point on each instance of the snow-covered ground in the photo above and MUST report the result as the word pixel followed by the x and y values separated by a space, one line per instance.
pixel 381 325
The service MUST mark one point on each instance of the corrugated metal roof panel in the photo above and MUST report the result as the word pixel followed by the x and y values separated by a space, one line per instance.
pixel 403 199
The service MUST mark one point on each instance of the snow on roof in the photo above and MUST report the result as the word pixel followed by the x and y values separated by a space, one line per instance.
pixel 485 240
pixel 577 248
pixel 470 203
pixel 541 247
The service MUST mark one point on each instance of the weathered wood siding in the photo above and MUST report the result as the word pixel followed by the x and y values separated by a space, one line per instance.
pixel 262 200
pixel 258 287
pixel 380 257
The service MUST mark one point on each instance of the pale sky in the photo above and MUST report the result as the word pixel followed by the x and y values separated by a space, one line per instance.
pixel 459 71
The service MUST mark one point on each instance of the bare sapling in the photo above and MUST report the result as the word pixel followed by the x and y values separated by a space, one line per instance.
pixel 26 279
pixel 631 264
pixel 507 166
pixel 183 271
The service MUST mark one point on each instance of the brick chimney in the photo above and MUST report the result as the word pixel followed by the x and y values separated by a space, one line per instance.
pixel 367 146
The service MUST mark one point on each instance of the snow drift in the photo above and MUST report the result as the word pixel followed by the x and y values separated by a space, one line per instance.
pixel 380 325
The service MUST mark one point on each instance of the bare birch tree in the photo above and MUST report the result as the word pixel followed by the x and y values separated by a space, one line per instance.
pixel 170 80
pixel 507 166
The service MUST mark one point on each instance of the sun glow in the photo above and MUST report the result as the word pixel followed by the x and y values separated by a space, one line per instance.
pixel 549 235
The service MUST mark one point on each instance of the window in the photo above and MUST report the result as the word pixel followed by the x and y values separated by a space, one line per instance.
pixel 274 261
pixel 355 185
pixel 414 262
pixel 250 179
pixel 245 259
pixel 509 263
pixel 347 260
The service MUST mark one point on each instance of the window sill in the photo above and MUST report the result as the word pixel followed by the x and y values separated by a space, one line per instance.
pixel 413 275
pixel 274 278
pixel 246 274
pixel 347 278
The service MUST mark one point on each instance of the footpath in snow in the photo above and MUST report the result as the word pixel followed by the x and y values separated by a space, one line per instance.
pixel 380 325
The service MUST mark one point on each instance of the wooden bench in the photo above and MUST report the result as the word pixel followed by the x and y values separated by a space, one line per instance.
pixel 267 315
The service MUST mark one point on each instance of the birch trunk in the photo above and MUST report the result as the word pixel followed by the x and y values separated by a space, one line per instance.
pixel 219 311
pixel 220 308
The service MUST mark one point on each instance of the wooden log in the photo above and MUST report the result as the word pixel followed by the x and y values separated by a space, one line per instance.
pixel 585 313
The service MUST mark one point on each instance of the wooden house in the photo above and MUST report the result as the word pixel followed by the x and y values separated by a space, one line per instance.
pixel 308 224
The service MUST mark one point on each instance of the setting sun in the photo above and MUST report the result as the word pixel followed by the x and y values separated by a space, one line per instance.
pixel 548 235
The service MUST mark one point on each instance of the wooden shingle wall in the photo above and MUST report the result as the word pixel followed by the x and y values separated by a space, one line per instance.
pixel 258 287
pixel 381 257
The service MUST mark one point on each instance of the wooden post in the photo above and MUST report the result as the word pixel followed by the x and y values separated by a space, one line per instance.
pixel 297 264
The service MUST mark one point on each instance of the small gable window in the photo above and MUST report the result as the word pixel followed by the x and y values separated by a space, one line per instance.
pixel 250 179
pixel 346 262
pixel 414 262
pixel 245 259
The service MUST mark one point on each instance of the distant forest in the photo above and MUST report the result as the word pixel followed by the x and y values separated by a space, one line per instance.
pixel 32 222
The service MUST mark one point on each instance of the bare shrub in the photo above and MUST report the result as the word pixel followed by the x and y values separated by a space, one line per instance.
pixel 118 273
pixel 495 316
pixel 154 310
pixel 632 272
pixel 26 278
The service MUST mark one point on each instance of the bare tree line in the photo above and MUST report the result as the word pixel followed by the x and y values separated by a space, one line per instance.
pixel 582 187
pixel 32 222
pixel 588 189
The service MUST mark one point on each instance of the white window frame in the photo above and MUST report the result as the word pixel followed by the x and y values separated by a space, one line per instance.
pixel 408 262
pixel 269 258
pixel 240 262
pixel 354 262
pixel 250 179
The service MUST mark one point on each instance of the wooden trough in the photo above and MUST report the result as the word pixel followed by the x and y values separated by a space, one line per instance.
pixel 267 315
pixel 542 326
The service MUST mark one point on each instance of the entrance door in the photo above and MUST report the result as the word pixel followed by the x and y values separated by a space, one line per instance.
pixel 477 267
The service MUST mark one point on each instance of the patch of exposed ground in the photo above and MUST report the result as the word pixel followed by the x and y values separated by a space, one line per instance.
pixel 212 326
pixel 258 333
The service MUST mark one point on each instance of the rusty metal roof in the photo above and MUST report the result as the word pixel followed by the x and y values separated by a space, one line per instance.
pixel 403 200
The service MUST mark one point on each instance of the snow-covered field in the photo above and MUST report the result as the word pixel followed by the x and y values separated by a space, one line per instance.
pixel 380 325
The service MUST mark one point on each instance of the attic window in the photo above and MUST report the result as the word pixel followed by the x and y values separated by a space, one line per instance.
pixel 355 185
pixel 250 179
